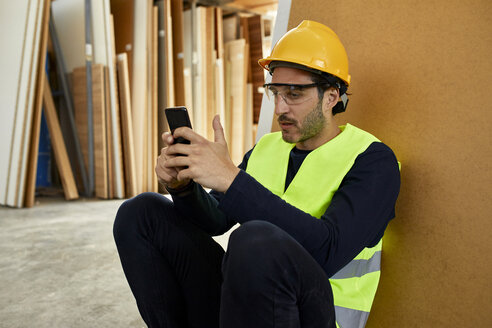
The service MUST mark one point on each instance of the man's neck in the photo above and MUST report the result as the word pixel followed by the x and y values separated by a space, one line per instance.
pixel 323 137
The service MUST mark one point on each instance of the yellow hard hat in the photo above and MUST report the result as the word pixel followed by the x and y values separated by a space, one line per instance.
pixel 313 45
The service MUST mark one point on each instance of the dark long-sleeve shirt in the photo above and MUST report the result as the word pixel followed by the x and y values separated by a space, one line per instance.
pixel 356 218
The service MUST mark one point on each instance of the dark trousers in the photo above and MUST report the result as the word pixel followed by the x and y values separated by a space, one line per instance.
pixel 180 276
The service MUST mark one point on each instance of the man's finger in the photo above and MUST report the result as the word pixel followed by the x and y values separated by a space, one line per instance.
pixel 188 134
pixel 178 149
pixel 167 138
pixel 177 162
pixel 218 130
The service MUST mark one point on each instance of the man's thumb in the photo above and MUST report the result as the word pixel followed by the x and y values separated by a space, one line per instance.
pixel 218 130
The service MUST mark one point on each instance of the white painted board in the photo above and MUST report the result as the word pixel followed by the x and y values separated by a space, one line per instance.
pixel 18 67
pixel 267 106
pixel 68 17
pixel 139 88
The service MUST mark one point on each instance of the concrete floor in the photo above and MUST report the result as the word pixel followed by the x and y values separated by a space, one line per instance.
pixel 59 267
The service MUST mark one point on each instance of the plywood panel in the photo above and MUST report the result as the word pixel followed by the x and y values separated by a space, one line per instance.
pixel 139 89
pixel 24 103
pixel 113 96
pixel 248 121
pixel 236 52
pixel 126 126
pixel 169 56
pixel 178 51
pixel 100 141
pixel 153 117
pixel 109 134
pixel 421 83
pixel 219 66
pixel 11 66
pixel 199 78
pixel 209 69
pixel 68 17
pixel 99 123
pixel 37 109
pixel 162 76
pixel 255 31
pixel 122 11
pixel 99 46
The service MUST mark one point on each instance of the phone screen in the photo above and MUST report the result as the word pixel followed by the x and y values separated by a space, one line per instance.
pixel 178 117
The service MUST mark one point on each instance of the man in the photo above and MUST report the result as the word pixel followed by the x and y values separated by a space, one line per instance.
pixel 313 201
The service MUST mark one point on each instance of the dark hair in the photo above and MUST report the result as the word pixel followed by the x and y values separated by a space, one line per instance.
pixel 327 81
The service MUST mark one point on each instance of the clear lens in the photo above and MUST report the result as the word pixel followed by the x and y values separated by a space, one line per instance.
pixel 292 94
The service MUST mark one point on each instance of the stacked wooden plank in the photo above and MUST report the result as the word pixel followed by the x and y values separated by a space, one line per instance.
pixel 69 19
pixel 141 56
pixel 21 37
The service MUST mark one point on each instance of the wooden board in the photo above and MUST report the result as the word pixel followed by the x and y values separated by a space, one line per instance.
pixel 37 110
pixel 255 32
pixel 421 83
pixel 30 103
pixel 231 28
pixel 113 94
pixel 99 44
pixel 236 52
pixel 188 65
pixel 139 90
pixel 153 119
pixel 162 76
pixel 100 141
pixel 122 11
pixel 248 122
pixel 178 51
pixel 199 101
pixel 99 123
pixel 109 134
pixel 244 34
pixel 266 119
pixel 219 67
pixel 68 17
pixel 169 37
pixel 19 71
pixel 209 69
pixel 59 150
pixel 126 126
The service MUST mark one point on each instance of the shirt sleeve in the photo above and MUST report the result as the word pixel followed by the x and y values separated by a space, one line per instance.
pixel 201 207
pixel 356 218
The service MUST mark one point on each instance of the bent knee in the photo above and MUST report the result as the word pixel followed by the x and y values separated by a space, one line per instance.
pixel 256 238
pixel 135 211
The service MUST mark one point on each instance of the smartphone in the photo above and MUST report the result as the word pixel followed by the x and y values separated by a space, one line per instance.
pixel 176 118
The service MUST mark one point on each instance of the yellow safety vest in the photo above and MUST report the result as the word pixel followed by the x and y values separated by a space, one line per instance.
pixel 311 190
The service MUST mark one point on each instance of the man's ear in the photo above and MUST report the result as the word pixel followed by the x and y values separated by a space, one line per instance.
pixel 331 98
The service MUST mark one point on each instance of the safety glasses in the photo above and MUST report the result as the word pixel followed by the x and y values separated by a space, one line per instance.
pixel 292 94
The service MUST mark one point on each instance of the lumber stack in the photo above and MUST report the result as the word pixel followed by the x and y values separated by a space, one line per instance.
pixel 103 95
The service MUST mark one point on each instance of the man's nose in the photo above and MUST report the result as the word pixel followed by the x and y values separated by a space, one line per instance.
pixel 281 106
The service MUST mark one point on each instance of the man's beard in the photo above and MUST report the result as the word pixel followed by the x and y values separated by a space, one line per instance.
pixel 312 124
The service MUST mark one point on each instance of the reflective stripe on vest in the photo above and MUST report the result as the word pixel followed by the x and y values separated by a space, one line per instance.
pixel 350 318
pixel 311 190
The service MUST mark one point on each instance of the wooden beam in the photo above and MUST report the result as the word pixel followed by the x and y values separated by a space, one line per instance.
pixel 98 120
pixel 59 149
pixel 126 125
pixel 178 51
pixel 37 110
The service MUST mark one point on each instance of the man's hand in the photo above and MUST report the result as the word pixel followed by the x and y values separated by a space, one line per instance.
pixel 207 163
pixel 168 176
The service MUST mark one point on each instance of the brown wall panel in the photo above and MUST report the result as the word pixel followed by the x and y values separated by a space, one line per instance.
pixel 421 82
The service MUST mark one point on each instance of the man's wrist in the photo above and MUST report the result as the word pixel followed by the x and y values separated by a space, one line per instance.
pixel 230 179
pixel 180 190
